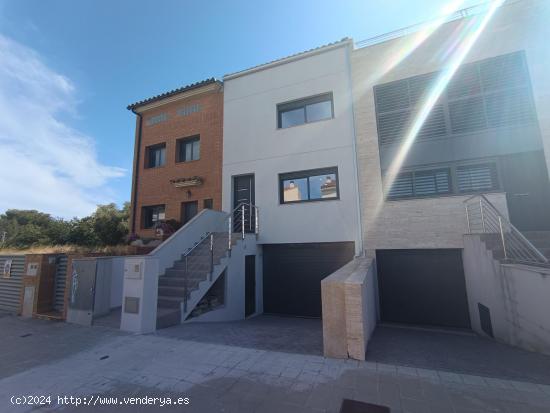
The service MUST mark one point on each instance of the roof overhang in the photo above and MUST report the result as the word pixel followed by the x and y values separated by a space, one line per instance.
pixel 176 95
pixel 346 42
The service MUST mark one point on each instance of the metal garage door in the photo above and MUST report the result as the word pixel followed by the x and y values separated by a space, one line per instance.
pixel 422 287
pixel 10 288
pixel 292 275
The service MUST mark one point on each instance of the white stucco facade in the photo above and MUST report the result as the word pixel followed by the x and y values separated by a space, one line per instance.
pixel 253 144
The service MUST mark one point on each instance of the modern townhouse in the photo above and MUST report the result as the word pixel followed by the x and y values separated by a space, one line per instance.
pixel 177 158
pixel 289 150
pixel 421 158
pixel 486 131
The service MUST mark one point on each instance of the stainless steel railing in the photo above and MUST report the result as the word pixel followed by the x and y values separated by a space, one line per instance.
pixel 245 218
pixel 248 215
pixel 484 218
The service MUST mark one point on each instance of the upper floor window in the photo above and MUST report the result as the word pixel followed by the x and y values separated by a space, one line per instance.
pixel 155 156
pixel 152 215
pixel 188 149
pixel 490 93
pixel 188 110
pixel 153 120
pixel 312 185
pixel 306 110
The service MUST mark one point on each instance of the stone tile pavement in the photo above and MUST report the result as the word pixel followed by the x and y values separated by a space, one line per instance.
pixel 459 352
pixel 223 378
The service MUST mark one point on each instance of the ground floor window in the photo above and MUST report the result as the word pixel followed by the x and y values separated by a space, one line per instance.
pixel 152 215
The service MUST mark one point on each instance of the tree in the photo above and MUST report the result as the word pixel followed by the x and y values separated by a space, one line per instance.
pixel 110 224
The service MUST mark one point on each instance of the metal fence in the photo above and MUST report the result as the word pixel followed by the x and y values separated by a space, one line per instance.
pixel 10 287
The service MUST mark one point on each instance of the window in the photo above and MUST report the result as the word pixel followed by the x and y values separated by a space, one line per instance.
pixel 476 178
pixel 188 110
pixel 208 204
pixel 153 120
pixel 313 185
pixel 188 149
pixel 455 179
pixel 155 156
pixel 421 183
pixel 152 215
pixel 490 93
pixel 306 110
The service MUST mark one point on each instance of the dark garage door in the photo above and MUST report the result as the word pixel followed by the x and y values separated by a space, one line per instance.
pixel 422 287
pixel 293 274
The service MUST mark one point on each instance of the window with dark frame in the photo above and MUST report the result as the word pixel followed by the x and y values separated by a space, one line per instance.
pixel 307 110
pixel 308 186
pixel 188 149
pixel 467 178
pixel 155 156
pixel 208 203
pixel 421 183
pixel 152 215
pixel 477 178
pixel 490 93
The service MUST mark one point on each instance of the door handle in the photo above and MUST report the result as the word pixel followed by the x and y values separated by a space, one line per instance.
pixel 523 194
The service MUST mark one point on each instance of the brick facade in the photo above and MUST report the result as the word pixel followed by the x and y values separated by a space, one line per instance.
pixel 153 184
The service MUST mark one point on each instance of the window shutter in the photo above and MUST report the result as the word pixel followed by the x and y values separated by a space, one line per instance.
pixel 402 186
pixel 473 178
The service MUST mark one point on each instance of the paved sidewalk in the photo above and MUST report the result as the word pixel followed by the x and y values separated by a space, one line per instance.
pixel 458 352
pixel 222 378
pixel 264 332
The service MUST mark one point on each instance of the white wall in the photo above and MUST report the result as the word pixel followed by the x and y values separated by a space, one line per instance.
pixel 253 144
pixel 438 222
pixel 234 303
pixel 516 295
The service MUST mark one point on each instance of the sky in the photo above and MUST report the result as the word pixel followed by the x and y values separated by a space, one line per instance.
pixel 68 69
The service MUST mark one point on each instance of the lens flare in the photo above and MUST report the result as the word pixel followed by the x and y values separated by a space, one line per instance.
pixel 467 37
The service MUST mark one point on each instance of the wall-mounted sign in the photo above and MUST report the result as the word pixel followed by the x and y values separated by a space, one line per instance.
pixel 32 269
pixel 7 268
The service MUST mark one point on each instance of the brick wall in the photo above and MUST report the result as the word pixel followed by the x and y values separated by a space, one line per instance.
pixel 154 187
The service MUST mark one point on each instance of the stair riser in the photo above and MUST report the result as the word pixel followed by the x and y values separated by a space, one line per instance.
pixel 169 303
pixel 175 291
pixel 179 283
pixel 169 320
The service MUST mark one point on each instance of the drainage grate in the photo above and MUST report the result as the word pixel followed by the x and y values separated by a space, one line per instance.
pixel 353 406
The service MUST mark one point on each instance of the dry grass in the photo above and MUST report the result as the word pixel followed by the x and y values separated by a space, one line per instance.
pixel 70 249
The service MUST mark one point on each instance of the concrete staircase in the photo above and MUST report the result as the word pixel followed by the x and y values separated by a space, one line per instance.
pixel 172 284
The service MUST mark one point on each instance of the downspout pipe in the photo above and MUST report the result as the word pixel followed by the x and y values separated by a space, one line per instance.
pixel 136 171
pixel 360 251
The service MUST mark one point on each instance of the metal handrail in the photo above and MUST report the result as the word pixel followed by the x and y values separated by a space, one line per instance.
pixel 210 235
pixel 459 14
pixel 483 217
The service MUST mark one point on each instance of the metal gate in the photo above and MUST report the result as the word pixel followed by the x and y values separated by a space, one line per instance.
pixel 82 291
pixel 10 286
pixel 60 283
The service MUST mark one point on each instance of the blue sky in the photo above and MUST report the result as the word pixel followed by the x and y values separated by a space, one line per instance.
pixel 68 69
